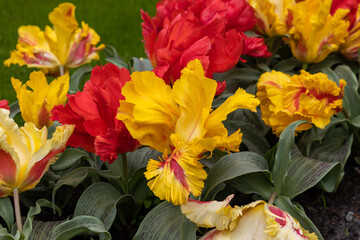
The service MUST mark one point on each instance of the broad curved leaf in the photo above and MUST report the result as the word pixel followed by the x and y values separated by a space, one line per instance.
pixel 139 158
pixel 68 158
pixel 79 225
pixel 78 175
pixel 141 64
pixel 283 155
pixel 305 173
pixel 165 222
pixel 232 166
pixel 6 211
pixel 100 200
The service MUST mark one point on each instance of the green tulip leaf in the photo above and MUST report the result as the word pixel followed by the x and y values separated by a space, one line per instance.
pixel 77 77
pixel 69 158
pixel 80 225
pixel 166 221
pixel 232 166
pixel 6 211
pixel 283 155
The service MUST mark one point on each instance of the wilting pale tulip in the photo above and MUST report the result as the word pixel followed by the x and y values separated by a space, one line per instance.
pixel 65 46
pixel 26 153
pixel 257 220
pixel 37 97
pixel 285 99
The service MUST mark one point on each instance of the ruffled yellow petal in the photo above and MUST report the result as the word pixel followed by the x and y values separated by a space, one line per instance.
pixel 194 94
pixel 285 99
pixel 176 175
pixel 64 23
pixel 271 15
pixel 315 33
pixel 241 99
pixel 149 111
pixel 36 103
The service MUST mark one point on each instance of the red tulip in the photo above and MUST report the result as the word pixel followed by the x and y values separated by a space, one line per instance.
pixel 93 112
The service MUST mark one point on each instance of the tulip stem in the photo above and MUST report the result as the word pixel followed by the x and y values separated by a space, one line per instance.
pixel 272 198
pixel 125 167
pixel 17 209
pixel 304 66
pixel 61 69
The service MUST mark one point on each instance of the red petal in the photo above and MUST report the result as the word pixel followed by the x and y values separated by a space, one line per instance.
pixel 8 168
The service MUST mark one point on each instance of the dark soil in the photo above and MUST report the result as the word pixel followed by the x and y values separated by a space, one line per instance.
pixel 331 212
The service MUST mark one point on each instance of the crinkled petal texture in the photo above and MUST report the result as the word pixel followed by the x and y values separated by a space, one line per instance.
pixel 272 16
pixel 93 113
pixel 26 153
pixel 285 99
pixel 37 97
pixel 180 123
pixel 315 33
pixel 208 30
pixel 63 45
pixel 257 220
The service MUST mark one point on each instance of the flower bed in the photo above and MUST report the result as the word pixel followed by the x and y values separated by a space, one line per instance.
pixel 250 97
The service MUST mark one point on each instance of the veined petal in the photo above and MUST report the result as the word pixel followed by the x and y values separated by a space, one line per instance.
pixel 32 49
pixel 241 99
pixel 176 175
pixel 209 214
pixel 64 22
pixel 82 47
pixel 44 156
pixel 252 224
pixel 281 226
pixel 149 112
pixel 194 93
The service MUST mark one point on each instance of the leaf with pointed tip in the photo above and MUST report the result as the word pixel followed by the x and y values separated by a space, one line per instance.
pixel 69 158
pixel 304 173
pixel 164 222
pixel 79 225
pixel 283 155
pixel 6 211
pixel 297 212
pixel 351 96
pixel 77 77
pixel 232 166
pixel 28 225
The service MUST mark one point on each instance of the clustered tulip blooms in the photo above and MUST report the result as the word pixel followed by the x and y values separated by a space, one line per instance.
pixel 179 122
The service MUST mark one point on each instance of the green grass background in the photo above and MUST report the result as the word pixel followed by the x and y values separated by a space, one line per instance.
pixel 116 21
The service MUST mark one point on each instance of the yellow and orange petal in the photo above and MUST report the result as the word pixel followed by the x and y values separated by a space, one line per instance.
pixel 285 99
pixel 315 33
pixel 352 42
pixel 37 97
